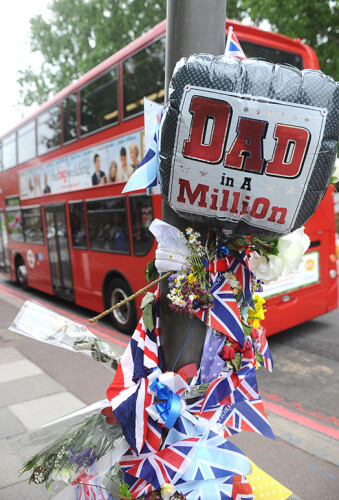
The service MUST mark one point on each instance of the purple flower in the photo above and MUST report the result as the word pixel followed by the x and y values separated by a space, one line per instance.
pixel 85 458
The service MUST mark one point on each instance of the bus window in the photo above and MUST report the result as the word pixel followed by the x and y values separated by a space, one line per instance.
pixel 49 130
pixel 99 103
pixel 70 118
pixel 14 223
pixel 32 222
pixel 9 151
pixel 107 225
pixel 26 142
pixel 272 54
pixel 78 225
pixel 141 217
pixel 5 263
pixel 144 76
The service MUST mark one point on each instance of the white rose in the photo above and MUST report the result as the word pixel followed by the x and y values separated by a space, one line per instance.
pixel 264 270
pixel 167 490
pixel 291 249
pixel 65 474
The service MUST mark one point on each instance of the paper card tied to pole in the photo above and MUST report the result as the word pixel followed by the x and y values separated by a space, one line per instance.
pixel 248 146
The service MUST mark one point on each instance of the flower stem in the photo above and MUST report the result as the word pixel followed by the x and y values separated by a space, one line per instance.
pixel 131 297
pixel 102 488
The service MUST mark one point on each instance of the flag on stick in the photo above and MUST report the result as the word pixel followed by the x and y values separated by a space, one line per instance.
pixel 233 47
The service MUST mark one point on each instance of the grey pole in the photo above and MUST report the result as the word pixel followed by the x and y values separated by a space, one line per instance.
pixel 193 26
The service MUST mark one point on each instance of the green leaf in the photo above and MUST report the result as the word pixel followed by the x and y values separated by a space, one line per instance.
pixel 27 466
pixel 259 357
pixel 151 272
pixel 124 491
pixel 247 329
pixel 147 316
pixel 236 362
pixel 147 310
pixel 147 299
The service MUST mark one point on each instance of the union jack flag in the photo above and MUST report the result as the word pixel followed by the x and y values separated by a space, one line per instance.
pixel 242 489
pixel 128 392
pixel 215 457
pixel 224 316
pixel 246 415
pixel 138 487
pixel 218 489
pixel 231 488
pixel 239 267
pixel 165 466
pixel 262 345
pixel 233 47
pixel 89 487
pixel 230 389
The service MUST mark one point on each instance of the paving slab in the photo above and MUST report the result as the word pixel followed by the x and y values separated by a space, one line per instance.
pixel 9 424
pixel 10 354
pixel 10 465
pixel 309 477
pixel 37 412
pixel 309 440
pixel 25 491
pixel 17 370
pixel 24 389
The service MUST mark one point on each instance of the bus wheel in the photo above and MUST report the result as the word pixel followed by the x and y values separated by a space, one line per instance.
pixel 125 317
pixel 21 272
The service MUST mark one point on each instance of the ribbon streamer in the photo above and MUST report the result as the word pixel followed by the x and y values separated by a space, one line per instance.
pixel 147 173
pixel 169 408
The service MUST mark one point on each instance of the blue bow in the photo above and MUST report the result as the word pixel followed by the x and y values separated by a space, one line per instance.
pixel 169 409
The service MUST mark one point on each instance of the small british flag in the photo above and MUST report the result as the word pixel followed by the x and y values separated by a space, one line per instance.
pixel 165 466
pixel 246 415
pixel 224 316
pixel 262 346
pixel 239 267
pixel 233 47
pixel 128 392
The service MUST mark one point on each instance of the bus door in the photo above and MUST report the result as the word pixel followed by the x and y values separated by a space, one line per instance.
pixel 5 264
pixel 58 250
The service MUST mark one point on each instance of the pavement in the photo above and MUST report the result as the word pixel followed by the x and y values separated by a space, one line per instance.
pixel 39 383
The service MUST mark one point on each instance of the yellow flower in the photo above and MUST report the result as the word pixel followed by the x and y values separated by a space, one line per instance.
pixel 256 315
pixel 191 278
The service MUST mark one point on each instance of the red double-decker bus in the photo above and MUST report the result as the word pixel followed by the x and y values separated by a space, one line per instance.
pixel 65 227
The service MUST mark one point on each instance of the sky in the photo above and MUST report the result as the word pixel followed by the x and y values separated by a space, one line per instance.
pixel 15 54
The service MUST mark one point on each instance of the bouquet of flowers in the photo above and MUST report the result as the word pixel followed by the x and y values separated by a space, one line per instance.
pixel 40 323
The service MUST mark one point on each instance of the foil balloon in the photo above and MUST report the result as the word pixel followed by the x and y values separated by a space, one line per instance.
pixel 248 147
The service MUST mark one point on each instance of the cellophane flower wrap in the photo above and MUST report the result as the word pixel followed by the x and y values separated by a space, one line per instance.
pixel 41 323
pixel 77 449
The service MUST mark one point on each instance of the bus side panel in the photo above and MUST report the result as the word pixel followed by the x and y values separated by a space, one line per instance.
pixel 85 271
pixel 37 265
pixel 292 308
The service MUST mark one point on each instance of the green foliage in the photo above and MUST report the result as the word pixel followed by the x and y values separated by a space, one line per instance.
pixel 78 36
pixel 147 310
pixel 315 22
pixel 124 491
pixel 151 272
pixel 82 33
